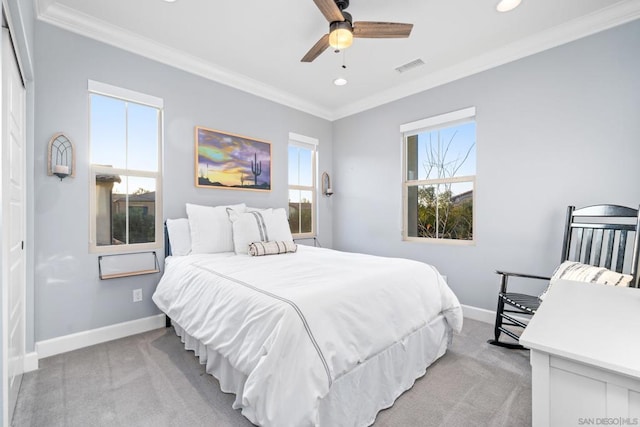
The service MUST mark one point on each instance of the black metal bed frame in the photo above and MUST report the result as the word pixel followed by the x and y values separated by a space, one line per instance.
pixel 167 252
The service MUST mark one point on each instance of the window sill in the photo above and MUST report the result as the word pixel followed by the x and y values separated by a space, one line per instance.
pixel 124 249
pixel 428 240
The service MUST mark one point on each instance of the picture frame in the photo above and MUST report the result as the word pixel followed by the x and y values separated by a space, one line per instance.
pixel 231 162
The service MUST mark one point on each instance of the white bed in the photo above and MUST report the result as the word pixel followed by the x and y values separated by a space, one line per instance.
pixel 312 338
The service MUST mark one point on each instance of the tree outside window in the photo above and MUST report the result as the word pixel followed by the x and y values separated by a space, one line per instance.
pixel 439 163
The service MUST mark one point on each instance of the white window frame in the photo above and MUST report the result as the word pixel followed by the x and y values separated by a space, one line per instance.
pixel 424 125
pixel 127 95
pixel 307 143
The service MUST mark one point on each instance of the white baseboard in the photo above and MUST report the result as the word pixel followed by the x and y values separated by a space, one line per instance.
pixel 31 362
pixel 486 316
pixel 479 314
pixel 78 340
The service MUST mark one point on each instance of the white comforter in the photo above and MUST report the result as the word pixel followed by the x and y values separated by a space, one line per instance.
pixel 294 323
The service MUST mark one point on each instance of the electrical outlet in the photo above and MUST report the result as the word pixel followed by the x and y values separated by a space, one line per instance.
pixel 137 295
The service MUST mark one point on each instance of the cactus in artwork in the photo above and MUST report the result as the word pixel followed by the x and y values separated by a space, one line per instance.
pixel 256 168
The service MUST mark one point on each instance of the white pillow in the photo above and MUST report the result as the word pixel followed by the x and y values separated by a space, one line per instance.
pixel 259 226
pixel 571 270
pixel 179 236
pixel 211 230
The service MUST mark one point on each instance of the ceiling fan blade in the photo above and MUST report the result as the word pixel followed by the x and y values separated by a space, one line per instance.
pixel 317 49
pixel 329 10
pixel 381 30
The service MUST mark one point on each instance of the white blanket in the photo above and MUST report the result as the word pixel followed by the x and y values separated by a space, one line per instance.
pixel 294 323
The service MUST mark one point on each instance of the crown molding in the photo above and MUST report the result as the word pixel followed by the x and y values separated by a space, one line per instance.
pixel 85 25
pixel 575 29
pixel 40 6
pixel 88 26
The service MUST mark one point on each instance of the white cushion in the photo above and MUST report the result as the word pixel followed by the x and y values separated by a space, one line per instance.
pixel 211 230
pixel 259 226
pixel 179 236
pixel 571 270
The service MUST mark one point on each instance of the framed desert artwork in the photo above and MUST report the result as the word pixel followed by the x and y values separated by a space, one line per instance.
pixel 233 162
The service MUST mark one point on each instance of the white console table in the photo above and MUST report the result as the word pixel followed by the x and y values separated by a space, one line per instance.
pixel 585 356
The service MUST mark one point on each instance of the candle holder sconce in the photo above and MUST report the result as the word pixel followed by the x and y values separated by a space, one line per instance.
pixel 62 160
pixel 326 185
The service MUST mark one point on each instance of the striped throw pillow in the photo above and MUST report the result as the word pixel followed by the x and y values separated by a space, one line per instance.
pixel 571 270
pixel 272 248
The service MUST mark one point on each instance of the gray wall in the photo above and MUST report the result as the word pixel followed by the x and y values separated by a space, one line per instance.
pixel 555 129
pixel 69 296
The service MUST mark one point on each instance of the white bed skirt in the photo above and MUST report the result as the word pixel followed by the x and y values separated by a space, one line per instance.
pixel 355 398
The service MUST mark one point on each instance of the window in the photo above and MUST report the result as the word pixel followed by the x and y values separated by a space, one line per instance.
pixel 302 186
pixel 439 168
pixel 126 145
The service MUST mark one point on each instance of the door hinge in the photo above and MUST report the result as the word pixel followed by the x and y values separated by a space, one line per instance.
pixel 22 245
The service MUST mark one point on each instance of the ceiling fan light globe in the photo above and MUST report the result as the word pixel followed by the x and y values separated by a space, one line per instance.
pixel 341 35
pixel 507 5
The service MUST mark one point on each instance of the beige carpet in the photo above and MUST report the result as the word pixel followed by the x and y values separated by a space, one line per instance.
pixel 150 380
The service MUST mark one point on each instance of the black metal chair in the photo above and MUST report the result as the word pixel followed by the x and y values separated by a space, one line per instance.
pixel 595 235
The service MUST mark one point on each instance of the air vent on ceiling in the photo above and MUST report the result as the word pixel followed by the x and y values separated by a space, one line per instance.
pixel 410 65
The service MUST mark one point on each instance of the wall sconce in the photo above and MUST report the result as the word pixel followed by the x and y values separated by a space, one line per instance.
pixel 62 160
pixel 326 184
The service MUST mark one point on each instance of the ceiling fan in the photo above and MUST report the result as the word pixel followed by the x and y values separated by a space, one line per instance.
pixel 342 29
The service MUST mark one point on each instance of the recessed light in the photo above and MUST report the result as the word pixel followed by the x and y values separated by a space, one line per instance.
pixel 169 1
pixel 340 81
pixel 507 5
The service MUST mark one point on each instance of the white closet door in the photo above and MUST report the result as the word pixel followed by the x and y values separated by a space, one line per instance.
pixel 13 222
